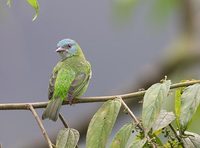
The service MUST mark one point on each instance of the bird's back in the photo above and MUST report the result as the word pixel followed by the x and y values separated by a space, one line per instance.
pixel 77 64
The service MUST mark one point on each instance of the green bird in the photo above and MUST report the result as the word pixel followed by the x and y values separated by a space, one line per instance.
pixel 70 77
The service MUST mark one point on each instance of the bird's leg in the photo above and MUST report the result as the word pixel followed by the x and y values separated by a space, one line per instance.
pixel 70 95
pixel 70 98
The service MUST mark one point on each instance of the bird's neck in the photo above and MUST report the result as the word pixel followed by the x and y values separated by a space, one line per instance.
pixel 79 56
pixel 80 52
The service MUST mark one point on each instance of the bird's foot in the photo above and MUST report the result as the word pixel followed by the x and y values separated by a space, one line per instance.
pixel 70 98
pixel 70 102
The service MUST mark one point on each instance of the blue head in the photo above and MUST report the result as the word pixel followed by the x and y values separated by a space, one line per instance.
pixel 67 48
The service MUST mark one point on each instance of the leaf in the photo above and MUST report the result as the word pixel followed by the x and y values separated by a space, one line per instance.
pixel 9 3
pixel 190 100
pixel 178 104
pixel 35 5
pixel 67 138
pixel 164 119
pixel 102 123
pixel 157 140
pixel 163 8
pixel 178 93
pixel 121 138
pixel 153 100
pixel 192 141
pixel 123 8
pixel 138 143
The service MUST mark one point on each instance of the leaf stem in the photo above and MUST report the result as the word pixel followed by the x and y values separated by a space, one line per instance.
pixel 176 135
pixel 136 121
pixel 62 119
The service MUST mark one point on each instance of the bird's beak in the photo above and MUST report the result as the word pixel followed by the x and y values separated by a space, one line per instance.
pixel 60 49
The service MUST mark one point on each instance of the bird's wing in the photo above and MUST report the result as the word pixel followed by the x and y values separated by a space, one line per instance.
pixel 62 82
pixel 78 84
pixel 59 84
pixel 51 84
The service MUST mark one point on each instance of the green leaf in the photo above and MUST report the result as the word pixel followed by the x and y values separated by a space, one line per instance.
pixel 35 5
pixel 172 144
pixel 163 8
pixel 153 100
pixel 157 140
pixel 178 104
pixel 164 119
pixel 102 123
pixel 192 141
pixel 123 8
pixel 67 138
pixel 9 3
pixel 121 138
pixel 138 143
pixel 190 100
pixel 178 94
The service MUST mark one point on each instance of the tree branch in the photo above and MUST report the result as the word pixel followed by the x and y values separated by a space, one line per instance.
pixel 136 121
pixel 40 125
pixel 138 94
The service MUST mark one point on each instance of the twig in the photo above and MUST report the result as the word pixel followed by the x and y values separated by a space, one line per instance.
pixel 62 119
pixel 136 121
pixel 53 145
pixel 176 135
pixel 138 94
pixel 40 125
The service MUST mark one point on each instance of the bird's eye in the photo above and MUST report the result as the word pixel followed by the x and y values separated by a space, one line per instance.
pixel 69 46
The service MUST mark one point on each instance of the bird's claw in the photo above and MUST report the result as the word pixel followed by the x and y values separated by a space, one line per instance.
pixel 70 98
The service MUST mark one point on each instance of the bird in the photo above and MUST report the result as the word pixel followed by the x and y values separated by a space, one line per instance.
pixel 69 79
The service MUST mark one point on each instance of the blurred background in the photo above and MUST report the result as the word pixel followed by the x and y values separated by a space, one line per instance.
pixel 130 44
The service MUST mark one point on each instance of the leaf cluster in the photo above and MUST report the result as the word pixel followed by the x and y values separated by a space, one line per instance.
pixel 155 128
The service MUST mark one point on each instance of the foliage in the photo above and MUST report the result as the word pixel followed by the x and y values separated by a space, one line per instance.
pixel 123 8
pixel 33 3
pixel 122 136
pixel 190 100
pixel 155 123
pixel 161 9
pixel 67 138
pixel 153 100
pixel 102 123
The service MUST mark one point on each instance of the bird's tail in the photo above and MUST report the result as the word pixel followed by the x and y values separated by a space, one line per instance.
pixel 52 109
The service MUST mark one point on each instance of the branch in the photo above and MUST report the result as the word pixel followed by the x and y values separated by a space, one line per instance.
pixel 62 119
pixel 136 121
pixel 176 135
pixel 138 94
pixel 40 125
